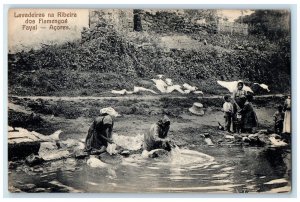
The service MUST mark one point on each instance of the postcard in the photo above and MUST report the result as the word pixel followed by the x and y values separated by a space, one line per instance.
pixel 149 101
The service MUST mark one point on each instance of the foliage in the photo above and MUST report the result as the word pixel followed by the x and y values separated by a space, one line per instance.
pixel 274 24
pixel 106 59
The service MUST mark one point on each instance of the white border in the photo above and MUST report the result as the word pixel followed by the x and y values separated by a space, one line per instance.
pixel 212 4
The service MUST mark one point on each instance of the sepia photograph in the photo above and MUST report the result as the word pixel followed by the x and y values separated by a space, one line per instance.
pixel 149 101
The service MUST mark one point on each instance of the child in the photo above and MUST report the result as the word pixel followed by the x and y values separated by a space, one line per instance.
pixel 238 122
pixel 228 112
pixel 238 98
pixel 278 119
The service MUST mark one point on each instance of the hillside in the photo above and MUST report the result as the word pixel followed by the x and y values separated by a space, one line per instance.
pixel 106 59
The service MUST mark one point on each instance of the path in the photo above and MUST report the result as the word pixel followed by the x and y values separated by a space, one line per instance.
pixel 127 97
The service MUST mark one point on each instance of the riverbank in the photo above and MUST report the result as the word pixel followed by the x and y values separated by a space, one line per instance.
pixel 73 116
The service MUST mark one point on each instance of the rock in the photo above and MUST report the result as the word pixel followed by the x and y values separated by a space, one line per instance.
pixel 39 190
pixel 229 137
pixel 33 160
pixel 94 162
pixel 276 141
pixel 110 159
pixel 158 153
pixel 238 137
pixel 208 141
pixel 12 164
pixel 81 155
pixel 263 132
pixel 245 139
pixel 27 187
pixel 63 187
pixel 249 48
pixel 22 149
pixel 253 137
pixel 257 139
pixel 13 189
pixel 49 151
pixel 38 170
pixel 125 153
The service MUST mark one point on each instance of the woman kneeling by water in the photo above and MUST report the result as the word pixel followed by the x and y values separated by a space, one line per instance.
pixel 156 136
pixel 100 132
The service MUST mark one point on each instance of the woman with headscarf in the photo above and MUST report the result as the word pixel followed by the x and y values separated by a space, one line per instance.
pixel 155 138
pixel 100 132
pixel 238 98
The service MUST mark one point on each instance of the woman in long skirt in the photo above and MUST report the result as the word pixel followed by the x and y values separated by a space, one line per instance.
pixel 287 116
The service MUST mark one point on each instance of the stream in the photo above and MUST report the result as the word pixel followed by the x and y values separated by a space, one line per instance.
pixel 223 169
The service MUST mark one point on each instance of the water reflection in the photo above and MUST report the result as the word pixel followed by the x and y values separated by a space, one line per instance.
pixel 220 169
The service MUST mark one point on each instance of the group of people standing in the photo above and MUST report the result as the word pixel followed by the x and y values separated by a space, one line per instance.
pixel 239 112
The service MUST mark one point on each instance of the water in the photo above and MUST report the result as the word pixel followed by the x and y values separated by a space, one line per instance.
pixel 213 170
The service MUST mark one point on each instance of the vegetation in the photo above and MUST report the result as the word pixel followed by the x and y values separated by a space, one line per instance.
pixel 106 59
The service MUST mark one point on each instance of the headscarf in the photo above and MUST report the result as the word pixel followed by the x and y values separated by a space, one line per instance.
pixel 240 81
pixel 166 119
pixel 110 111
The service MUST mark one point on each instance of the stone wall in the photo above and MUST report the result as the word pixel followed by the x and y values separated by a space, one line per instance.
pixel 119 19
pixel 158 21
pixel 233 28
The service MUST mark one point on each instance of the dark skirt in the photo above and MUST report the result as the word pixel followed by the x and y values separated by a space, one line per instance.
pixel 93 140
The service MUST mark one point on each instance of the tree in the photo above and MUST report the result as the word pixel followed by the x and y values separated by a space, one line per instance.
pixel 273 24
pixel 137 20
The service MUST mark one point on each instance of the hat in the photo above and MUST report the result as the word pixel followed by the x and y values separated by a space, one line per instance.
pixel 110 111
pixel 197 109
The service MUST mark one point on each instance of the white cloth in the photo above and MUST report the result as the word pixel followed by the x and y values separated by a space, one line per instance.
pixel 109 110
pixel 227 107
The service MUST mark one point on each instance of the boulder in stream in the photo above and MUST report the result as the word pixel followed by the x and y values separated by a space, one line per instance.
pixel 33 160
